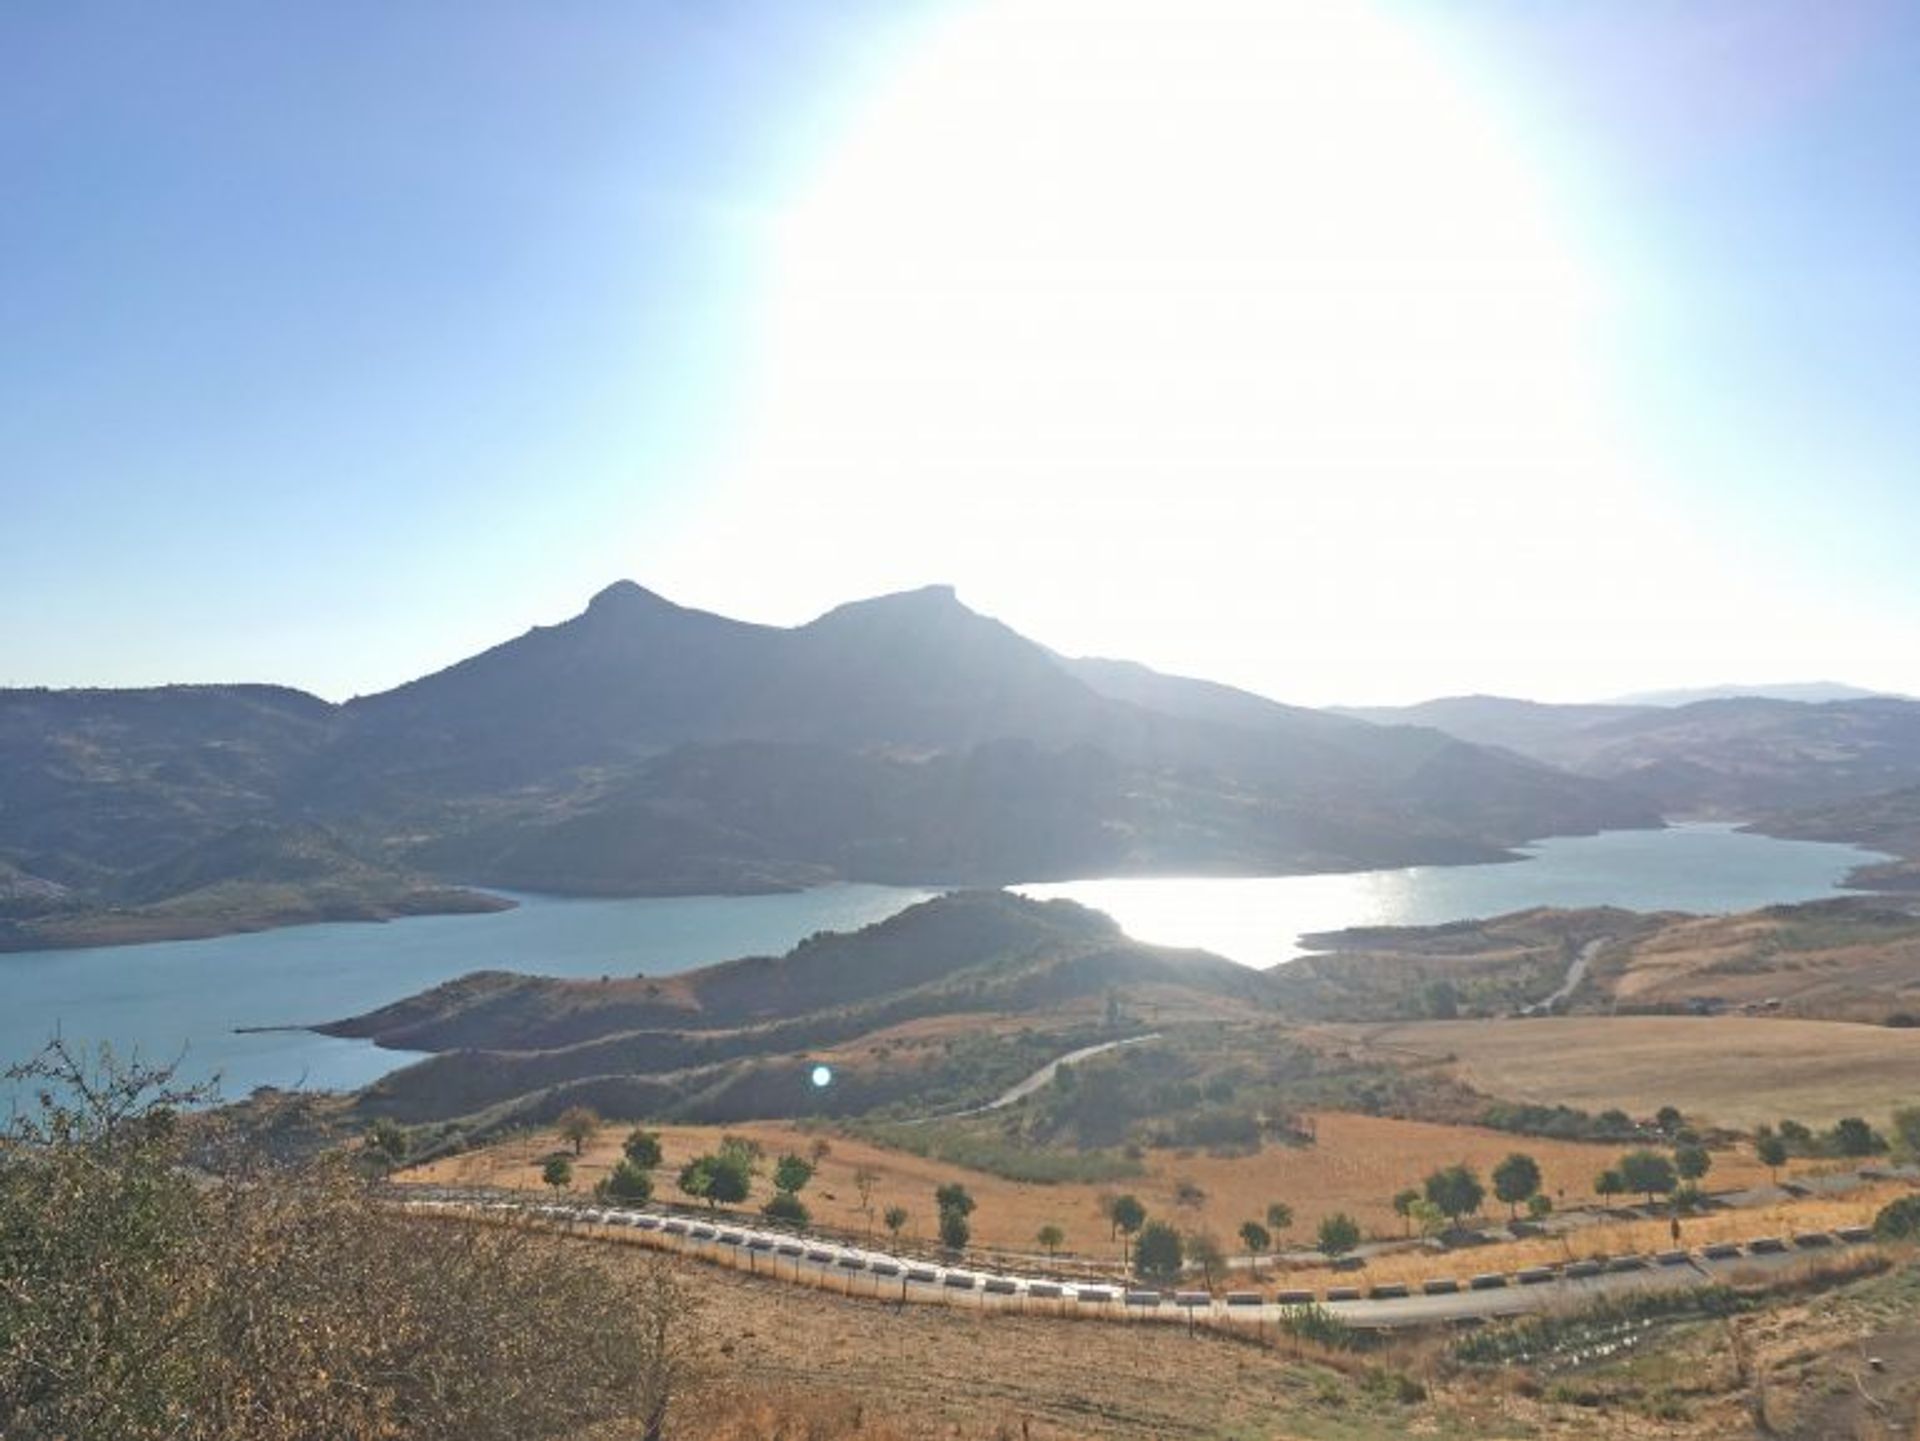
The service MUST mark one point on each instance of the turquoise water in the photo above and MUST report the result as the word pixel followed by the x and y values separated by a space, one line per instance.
pixel 184 999
pixel 1707 868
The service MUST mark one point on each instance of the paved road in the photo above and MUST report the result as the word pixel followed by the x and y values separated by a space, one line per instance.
pixel 1040 1078
pixel 860 1271
pixel 1576 973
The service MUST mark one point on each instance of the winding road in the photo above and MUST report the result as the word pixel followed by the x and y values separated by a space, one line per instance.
pixel 882 1275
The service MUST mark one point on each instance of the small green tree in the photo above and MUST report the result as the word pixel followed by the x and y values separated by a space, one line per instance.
pixel 1257 1239
pixel 1648 1172
pixel 791 1174
pixel 1516 1179
pixel 1279 1217
pixel 385 1144
pixel 1128 1216
pixel 1339 1234
pixel 895 1219
pixel 557 1173
pixel 1772 1153
pixel 720 1179
pixel 1691 1162
pixel 577 1126
pixel 1668 1119
pixel 787 1207
pixel 1609 1183
pixel 1159 1254
pixel 954 1230
pixel 628 1182
pixel 1906 1130
pixel 955 1205
pixel 1456 1191
pixel 643 1149
pixel 1539 1206
pixel 1428 1217
pixel 1403 1203
pixel 1204 1251
pixel 1051 1237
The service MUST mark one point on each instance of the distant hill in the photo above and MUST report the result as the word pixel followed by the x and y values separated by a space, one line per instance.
pixel 731 1039
pixel 1810 692
pixel 1740 758
pixel 646 748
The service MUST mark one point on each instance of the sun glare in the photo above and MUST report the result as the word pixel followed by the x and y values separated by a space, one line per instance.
pixel 1209 292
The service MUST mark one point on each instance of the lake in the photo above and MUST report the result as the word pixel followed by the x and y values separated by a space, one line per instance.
pixel 185 998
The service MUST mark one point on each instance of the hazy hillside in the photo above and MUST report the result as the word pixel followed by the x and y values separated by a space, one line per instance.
pixel 1736 758
pixel 645 748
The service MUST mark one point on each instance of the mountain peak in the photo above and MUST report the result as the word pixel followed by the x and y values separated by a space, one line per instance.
pixel 625 595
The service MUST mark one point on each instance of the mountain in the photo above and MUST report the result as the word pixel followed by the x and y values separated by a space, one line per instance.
pixel 1739 758
pixel 1552 734
pixel 643 747
pixel 1811 692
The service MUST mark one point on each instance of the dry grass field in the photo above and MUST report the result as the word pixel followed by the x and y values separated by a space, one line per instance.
pixel 1807 962
pixel 788 1363
pixel 1735 1071
pixel 1356 1166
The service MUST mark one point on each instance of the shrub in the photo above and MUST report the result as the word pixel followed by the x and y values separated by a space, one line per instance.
pixel 1898 1220
pixel 282 1303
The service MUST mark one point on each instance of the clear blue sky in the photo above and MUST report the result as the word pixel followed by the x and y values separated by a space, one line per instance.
pixel 1344 352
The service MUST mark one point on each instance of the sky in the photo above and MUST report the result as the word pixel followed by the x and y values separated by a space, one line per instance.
pixel 1348 351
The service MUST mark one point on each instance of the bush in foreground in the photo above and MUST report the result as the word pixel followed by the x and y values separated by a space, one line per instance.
pixel 140 1299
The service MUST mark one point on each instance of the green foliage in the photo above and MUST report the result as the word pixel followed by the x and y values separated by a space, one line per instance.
pixel 1568 1338
pixel 1668 1119
pixel 1647 1172
pixel 1255 1237
pixel 895 1220
pixel 1610 1183
pixel 643 1149
pixel 785 1206
pixel 557 1173
pixel 385 1143
pixel 1279 1216
pixel 1441 1001
pixel 1851 1136
pixel 1906 1129
pixel 1319 1326
pixel 1691 1162
pixel 1403 1204
pixel 1456 1190
pixel 1051 1237
pixel 1898 1220
pixel 1126 1214
pixel 1516 1179
pixel 1539 1206
pixel 1771 1151
pixel 1559 1123
pixel 1339 1234
pixel 954 1197
pixel 1159 1254
pixel 1011 1157
pixel 721 1178
pixel 791 1174
pixel 954 1230
pixel 628 1182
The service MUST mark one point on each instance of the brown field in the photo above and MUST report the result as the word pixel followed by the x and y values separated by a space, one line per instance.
pixel 1735 1071
pixel 790 1363
pixel 1356 1166
pixel 1808 963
